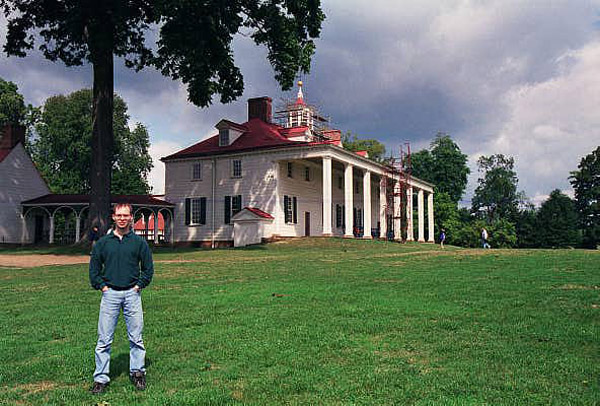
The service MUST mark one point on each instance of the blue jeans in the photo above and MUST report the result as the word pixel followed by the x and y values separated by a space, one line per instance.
pixel 110 307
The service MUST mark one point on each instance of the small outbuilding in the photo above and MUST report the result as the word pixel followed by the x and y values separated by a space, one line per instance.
pixel 250 226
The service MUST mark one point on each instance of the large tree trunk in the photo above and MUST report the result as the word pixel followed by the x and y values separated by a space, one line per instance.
pixel 102 139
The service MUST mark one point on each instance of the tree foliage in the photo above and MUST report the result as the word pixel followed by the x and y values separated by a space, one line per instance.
pixel 447 215
pixel 62 150
pixel 526 225
pixel 557 222
pixel 12 104
pixel 586 183
pixel 496 195
pixel 375 149
pixel 444 165
pixel 13 109
pixel 194 45
pixel 502 234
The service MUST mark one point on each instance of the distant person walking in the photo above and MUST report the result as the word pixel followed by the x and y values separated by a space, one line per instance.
pixel 442 238
pixel 120 266
pixel 93 236
pixel 484 239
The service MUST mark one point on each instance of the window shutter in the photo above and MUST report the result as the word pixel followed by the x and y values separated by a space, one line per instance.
pixel 295 209
pixel 203 210
pixel 187 212
pixel 286 209
pixel 227 209
pixel 237 204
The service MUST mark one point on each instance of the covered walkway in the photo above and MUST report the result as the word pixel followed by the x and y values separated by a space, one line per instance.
pixel 73 210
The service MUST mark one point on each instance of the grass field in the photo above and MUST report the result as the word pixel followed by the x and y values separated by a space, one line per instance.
pixel 319 322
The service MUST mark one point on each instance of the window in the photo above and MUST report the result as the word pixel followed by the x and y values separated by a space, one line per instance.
pixel 233 205
pixel 340 216
pixel 236 168
pixel 290 208
pixel 197 171
pixel 340 182
pixel 195 211
pixel 307 173
pixel 223 137
pixel 358 217
pixel 290 170
pixel 356 187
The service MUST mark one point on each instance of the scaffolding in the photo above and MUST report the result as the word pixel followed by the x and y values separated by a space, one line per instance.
pixel 395 183
pixel 295 113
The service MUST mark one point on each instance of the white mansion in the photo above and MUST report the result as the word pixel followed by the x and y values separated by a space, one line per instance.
pixel 261 180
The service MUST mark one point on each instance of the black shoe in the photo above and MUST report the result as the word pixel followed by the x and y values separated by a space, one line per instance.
pixel 98 388
pixel 139 380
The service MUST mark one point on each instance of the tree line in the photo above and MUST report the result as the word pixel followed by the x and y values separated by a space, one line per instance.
pixel 497 204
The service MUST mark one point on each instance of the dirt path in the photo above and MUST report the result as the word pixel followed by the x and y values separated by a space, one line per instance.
pixel 33 260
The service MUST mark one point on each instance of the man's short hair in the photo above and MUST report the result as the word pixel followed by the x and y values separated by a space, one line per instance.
pixel 123 204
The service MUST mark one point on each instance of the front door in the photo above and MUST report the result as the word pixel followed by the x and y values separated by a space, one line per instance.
pixel 306 224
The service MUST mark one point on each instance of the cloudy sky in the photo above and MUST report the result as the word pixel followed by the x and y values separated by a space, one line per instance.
pixel 520 78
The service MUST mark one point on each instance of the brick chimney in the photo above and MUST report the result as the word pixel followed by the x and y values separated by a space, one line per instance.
pixel 260 107
pixel 11 135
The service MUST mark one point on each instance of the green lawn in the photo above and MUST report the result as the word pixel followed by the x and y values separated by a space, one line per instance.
pixel 319 322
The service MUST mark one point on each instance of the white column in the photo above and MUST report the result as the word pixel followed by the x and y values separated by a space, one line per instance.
pixel 410 236
pixel 382 207
pixel 24 229
pixel 348 200
pixel 397 212
pixel 146 225
pixel 327 196
pixel 421 215
pixel 431 237
pixel 77 228
pixel 51 237
pixel 169 227
pixel 367 204
pixel 156 228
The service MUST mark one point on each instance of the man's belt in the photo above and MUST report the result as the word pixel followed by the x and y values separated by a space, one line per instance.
pixel 120 287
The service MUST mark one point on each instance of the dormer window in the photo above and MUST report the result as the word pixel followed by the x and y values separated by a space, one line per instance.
pixel 224 137
pixel 229 132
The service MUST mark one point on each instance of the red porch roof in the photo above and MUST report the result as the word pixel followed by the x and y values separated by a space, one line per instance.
pixel 138 200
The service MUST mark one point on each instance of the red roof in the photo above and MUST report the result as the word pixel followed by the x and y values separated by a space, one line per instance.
pixel 293 131
pixel 259 135
pixel 4 153
pixel 259 212
pixel 138 200
pixel 139 225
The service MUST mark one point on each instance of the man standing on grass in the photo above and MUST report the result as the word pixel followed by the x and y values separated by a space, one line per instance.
pixel 120 266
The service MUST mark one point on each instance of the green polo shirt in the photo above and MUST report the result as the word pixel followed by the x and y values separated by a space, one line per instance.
pixel 121 263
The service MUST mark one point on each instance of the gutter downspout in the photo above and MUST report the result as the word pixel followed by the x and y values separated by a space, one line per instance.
pixel 214 185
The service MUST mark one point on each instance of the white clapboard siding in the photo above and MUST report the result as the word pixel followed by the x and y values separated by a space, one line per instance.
pixel 256 185
pixel 263 184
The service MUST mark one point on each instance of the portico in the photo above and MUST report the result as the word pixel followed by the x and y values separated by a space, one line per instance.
pixel 367 213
